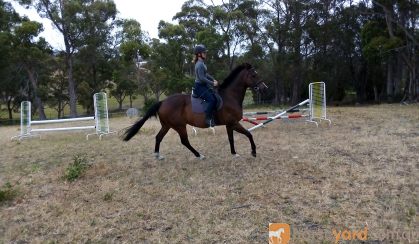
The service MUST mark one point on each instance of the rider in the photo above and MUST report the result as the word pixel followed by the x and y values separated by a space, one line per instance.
pixel 204 83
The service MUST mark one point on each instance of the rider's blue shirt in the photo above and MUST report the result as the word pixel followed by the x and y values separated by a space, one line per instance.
pixel 201 74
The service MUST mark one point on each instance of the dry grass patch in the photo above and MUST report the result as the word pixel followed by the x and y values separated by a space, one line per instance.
pixel 363 170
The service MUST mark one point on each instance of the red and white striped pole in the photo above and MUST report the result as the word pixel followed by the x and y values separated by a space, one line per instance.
pixel 279 115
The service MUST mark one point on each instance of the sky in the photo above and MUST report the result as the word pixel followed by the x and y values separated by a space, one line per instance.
pixel 147 12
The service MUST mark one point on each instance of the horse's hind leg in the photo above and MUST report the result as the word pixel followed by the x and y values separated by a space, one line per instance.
pixel 181 130
pixel 159 137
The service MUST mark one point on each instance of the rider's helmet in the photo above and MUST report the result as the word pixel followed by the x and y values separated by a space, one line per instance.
pixel 200 48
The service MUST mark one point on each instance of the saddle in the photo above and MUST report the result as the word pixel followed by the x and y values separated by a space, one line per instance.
pixel 199 105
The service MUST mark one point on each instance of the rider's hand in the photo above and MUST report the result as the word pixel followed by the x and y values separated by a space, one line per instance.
pixel 215 83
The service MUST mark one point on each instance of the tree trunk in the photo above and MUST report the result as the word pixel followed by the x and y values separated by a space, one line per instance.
pixel 71 83
pixel 398 76
pixel 71 88
pixel 376 95
pixel 145 97
pixel 296 46
pixel 296 86
pixel 37 100
pixel 297 81
pixel 120 104
pixel 277 98
pixel 390 80
pixel 59 109
pixel 9 108
pixel 157 95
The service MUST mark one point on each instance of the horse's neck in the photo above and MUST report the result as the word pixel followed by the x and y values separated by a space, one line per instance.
pixel 235 91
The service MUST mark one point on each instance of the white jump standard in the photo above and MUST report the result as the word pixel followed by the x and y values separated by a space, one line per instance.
pixel 101 120
pixel 317 97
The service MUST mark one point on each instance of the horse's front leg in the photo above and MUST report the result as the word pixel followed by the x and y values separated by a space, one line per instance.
pixel 239 128
pixel 231 139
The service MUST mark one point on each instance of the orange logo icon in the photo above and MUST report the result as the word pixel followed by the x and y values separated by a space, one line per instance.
pixel 279 233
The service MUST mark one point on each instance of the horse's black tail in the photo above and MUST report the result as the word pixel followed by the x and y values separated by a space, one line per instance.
pixel 131 131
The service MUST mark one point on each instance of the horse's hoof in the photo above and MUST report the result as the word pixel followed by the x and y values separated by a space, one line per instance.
pixel 158 156
pixel 201 157
pixel 254 154
pixel 236 155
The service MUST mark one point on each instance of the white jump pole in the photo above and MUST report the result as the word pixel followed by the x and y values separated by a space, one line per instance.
pixel 294 116
pixel 38 122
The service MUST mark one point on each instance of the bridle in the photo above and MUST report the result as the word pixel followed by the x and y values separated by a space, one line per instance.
pixel 260 85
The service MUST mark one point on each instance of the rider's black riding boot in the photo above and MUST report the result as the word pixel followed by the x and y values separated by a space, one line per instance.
pixel 209 119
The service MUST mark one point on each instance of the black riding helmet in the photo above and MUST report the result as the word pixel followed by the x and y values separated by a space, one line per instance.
pixel 200 49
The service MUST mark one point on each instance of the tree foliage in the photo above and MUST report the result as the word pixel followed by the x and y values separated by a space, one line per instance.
pixel 366 51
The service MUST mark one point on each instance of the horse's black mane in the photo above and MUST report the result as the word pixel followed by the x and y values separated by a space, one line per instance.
pixel 232 76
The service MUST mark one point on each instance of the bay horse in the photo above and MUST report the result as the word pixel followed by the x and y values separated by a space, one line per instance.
pixel 175 112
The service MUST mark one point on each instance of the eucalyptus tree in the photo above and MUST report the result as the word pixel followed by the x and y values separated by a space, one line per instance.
pixel 226 28
pixel 286 37
pixel 396 44
pixel 328 45
pixel 32 56
pixel 195 19
pixel 92 61
pixel 9 88
pixel 372 49
pixel 347 56
pixel 171 55
pixel 226 18
pixel 133 49
pixel 69 18
pixel 23 59
pixel 57 85
pixel 123 87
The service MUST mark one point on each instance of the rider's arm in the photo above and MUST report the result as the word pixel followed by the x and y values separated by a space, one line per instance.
pixel 203 77
pixel 210 77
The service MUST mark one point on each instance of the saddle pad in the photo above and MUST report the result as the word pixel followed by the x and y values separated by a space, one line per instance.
pixel 199 105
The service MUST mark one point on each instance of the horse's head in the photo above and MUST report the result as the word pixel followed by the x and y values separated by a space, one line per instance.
pixel 246 75
pixel 252 79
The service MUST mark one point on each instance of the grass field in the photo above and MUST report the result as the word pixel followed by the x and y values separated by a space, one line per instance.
pixel 360 172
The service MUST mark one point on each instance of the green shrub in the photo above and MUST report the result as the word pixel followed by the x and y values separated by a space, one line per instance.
pixel 77 168
pixel 147 105
pixel 108 196
pixel 7 192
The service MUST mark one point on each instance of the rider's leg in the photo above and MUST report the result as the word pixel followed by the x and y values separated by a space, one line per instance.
pixel 208 95
pixel 211 103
